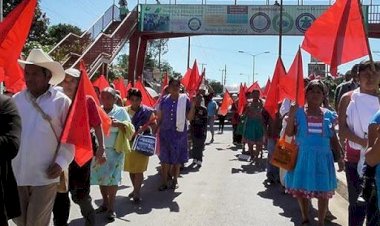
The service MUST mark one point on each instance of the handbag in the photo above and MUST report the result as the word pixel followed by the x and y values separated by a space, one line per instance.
pixel 285 154
pixel 63 184
pixel 145 144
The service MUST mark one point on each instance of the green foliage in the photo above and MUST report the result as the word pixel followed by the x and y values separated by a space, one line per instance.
pixel 60 31
pixel 157 48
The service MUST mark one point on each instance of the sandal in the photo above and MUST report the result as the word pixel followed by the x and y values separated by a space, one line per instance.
pixel 136 199
pixel 101 209
pixel 174 185
pixel 130 195
pixel 163 187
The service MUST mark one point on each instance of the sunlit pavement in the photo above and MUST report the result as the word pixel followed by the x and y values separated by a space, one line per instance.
pixel 224 191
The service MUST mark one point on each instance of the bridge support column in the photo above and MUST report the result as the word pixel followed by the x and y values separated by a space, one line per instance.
pixel 141 57
pixel 133 47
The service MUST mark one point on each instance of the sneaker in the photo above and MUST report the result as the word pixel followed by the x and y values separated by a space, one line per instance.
pixel 199 163
pixel 195 161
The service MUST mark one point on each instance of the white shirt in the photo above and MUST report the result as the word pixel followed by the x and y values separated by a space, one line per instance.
pixel 38 141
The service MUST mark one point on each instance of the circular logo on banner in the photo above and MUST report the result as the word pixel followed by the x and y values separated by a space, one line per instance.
pixel 287 23
pixel 260 22
pixel 194 24
pixel 304 21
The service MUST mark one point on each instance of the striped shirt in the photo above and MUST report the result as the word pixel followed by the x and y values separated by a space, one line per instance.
pixel 315 125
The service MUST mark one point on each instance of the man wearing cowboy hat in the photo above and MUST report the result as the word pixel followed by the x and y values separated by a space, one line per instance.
pixel 79 177
pixel 40 159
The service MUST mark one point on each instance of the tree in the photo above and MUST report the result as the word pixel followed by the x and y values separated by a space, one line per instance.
pixel 60 31
pixel 120 68
pixel 156 49
pixel 216 86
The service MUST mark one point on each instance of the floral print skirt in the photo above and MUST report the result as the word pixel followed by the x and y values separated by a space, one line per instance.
pixel 109 173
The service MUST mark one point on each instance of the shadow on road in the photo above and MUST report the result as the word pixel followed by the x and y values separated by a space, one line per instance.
pixel 289 205
pixel 152 199
pixel 251 168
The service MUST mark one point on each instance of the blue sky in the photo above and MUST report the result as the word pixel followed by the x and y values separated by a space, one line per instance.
pixel 214 51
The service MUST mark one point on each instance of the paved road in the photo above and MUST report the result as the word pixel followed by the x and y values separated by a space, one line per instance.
pixel 225 191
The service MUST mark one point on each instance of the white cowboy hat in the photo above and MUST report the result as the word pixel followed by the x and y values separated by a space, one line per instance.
pixel 40 58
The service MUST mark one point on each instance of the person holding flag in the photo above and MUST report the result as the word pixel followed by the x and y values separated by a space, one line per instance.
pixel 79 176
pixel 356 109
pixel 41 158
pixel 312 127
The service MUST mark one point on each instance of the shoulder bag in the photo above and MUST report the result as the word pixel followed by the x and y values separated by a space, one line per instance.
pixel 62 186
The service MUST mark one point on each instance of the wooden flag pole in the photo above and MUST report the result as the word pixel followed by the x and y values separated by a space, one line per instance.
pixel 297 80
pixel 366 37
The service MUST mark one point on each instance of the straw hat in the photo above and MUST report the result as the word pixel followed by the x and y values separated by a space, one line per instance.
pixel 73 72
pixel 40 58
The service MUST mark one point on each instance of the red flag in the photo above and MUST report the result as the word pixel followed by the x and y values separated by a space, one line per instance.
pixel 255 86
pixel 226 103
pixel 147 99
pixel 292 86
pixel 338 35
pixel 119 85
pixel 265 92
pixel 101 83
pixel 14 31
pixel 89 90
pixel 273 97
pixel 242 99
pixel 191 80
pixel 77 127
pixel 129 86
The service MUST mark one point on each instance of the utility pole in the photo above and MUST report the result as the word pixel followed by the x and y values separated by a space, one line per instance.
pixel 280 31
pixel 223 77
pixel 225 74
pixel 188 53
pixel 202 66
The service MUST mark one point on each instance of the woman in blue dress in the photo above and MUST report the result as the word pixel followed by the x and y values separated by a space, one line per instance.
pixel 314 173
pixel 108 174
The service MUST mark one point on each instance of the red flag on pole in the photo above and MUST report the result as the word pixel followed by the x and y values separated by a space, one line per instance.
pixel 14 31
pixel 273 97
pixel 101 83
pixel 90 91
pixel 255 86
pixel 77 127
pixel 338 35
pixel 147 99
pixel 119 85
pixel 265 92
pixel 292 85
pixel 191 80
pixel 226 103
pixel 242 99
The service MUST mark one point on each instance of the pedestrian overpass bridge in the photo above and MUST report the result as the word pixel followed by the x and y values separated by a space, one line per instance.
pixel 100 44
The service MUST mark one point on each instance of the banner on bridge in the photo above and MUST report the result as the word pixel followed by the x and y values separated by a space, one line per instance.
pixel 229 20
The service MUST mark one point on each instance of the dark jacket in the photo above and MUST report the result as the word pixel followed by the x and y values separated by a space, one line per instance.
pixel 10 132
